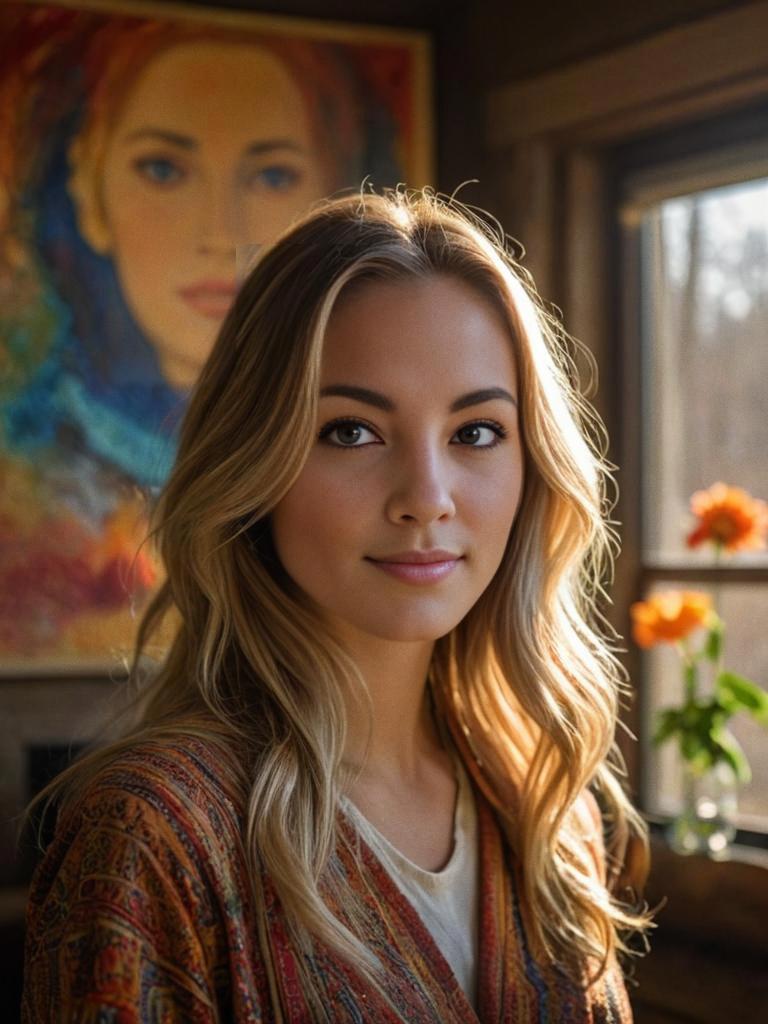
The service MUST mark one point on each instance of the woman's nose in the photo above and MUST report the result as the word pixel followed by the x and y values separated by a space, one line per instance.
pixel 422 488
pixel 219 219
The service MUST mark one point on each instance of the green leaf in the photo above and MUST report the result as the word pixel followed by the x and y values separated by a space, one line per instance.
pixel 698 755
pixel 667 724
pixel 690 676
pixel 696 726
pixel 729 750
pixel 714 643
pixel 727 702
pixel 690 716
pixel 693 746
pixel 743 693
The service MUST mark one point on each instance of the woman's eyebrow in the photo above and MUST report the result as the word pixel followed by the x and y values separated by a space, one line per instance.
pixel 189 142
pixel 268 145
pixel 382 402
pixel 163 135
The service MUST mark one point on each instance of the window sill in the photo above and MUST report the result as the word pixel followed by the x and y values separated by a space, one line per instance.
pixel 720 903
pixel 708 958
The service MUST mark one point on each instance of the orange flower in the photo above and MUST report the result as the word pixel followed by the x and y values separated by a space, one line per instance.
pixel 670 616
pixel 728 516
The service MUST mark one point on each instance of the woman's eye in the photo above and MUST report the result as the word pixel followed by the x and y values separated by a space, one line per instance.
pixel 160 170
pixel 348 433
pixel 472 435
pixel 351 434
pixel 276 178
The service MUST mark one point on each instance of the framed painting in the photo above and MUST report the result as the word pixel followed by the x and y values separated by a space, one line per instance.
pixel 140 146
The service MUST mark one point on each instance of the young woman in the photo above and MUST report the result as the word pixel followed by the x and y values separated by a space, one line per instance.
pixel 359 784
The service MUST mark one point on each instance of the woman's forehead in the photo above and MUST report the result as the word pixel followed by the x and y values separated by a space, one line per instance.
pixel 197 85
pixel 437 332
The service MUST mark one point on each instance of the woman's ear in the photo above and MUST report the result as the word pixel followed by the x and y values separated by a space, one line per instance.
pixel 84 187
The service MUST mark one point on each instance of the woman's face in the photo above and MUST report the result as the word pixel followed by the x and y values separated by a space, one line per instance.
pixel 425 454
pixel 212 148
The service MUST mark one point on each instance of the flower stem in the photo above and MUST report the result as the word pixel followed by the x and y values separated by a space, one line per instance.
pixel 717 593
pixel 689 670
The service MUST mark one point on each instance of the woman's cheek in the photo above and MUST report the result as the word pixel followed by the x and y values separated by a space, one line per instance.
pixel 324 511
pixel 150 221
pixel 266 212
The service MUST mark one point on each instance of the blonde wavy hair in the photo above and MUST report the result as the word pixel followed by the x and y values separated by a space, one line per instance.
pixel 528 682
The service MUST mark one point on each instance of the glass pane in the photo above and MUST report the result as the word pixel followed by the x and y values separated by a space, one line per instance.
pixel 705 308
pixel 745 611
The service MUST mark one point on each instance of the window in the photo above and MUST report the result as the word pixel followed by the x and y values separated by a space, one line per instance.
pixel 695 248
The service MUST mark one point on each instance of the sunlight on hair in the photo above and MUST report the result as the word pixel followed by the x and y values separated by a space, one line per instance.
pixel 401 213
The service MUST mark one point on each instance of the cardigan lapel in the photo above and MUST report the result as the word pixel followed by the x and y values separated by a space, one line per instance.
pixel 420 984
pixel 505 992
pixel 418 963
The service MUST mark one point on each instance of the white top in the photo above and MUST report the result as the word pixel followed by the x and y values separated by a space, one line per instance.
pixel 445 900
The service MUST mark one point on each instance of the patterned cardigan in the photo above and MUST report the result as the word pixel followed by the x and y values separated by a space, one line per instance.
pixel 140 911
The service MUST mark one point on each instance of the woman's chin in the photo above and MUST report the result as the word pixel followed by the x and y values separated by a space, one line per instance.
pixel 413 629
pixel 181 366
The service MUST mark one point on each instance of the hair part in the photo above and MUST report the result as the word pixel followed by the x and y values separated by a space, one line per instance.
pixel 527 683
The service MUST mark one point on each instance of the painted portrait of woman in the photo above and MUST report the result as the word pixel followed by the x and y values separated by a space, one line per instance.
pixel 136 156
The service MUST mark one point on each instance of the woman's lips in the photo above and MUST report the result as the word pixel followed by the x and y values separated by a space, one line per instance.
pixel 211 299
pixel 415 572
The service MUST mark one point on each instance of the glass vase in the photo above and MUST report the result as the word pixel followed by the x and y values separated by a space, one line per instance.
pixel 707 821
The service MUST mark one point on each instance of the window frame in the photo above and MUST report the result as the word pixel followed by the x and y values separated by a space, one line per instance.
pixel 720 150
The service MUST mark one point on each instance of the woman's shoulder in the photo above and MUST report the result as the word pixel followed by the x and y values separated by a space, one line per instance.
pixel 142 883
pixel 157 815
pixel 166 796
pixel 174 765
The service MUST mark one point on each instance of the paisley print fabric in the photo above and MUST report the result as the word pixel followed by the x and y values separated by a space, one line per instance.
pixel 141 911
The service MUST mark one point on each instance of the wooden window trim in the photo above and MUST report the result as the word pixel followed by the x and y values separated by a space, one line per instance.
pixel 699 68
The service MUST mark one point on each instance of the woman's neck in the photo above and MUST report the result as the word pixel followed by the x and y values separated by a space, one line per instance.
pixel 404 740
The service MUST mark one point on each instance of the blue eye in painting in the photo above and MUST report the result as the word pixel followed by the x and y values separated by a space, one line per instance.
pixel 160 170
pixel 276 177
